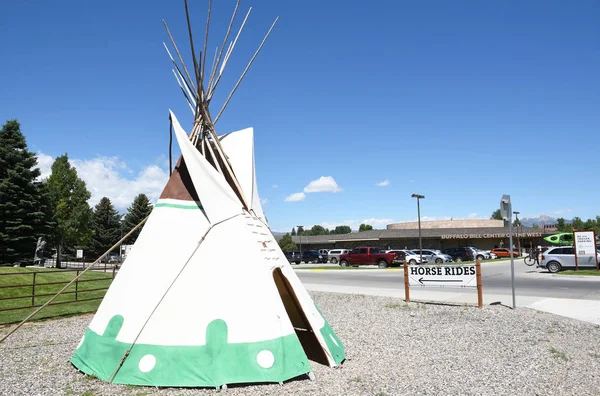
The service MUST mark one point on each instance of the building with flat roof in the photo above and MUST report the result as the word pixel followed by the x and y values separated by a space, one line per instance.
pixel 470 223
pixel 485 235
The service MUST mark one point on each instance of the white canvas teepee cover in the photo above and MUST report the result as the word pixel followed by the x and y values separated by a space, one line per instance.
pixel 206 296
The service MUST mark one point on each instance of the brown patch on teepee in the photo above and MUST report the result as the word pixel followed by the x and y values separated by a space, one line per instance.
pixel 180 184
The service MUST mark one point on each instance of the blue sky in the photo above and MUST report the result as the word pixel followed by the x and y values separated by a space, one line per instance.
pixel 459 101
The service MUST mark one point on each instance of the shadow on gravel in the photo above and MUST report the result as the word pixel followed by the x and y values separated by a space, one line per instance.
pixel 454 304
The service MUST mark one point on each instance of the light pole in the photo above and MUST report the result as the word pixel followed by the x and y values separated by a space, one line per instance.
pixel 300 238
pixel 518 234
pixel 419 196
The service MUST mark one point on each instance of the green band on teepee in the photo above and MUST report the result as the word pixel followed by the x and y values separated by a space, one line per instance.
pixel 214 364
pixel 333 342
pixel 178 206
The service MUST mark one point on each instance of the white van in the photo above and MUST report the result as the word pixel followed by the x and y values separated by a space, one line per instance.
pixel 334 255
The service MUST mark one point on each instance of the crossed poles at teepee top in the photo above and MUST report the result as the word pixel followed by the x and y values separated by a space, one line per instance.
pixel 203 134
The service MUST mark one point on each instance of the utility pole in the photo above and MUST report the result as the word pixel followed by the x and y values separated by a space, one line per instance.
pixel 418 197
pixel 518 233
pixel 300 238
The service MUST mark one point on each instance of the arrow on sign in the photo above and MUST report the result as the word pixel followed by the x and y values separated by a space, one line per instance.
pixel 421 280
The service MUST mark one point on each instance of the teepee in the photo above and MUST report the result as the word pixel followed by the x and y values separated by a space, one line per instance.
pixel 206 297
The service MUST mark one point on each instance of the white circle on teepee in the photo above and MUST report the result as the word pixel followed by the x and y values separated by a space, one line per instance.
pixel 80 342
pixel 265 359
pixel 147 363
pixel 333 339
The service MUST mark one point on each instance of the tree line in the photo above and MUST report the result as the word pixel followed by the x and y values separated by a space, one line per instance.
pixel 561 223
pixel 54 208
pixel 320 230
pixel 578 224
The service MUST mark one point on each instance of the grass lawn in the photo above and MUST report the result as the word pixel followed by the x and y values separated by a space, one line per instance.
pixel 590 272
pixel 10 276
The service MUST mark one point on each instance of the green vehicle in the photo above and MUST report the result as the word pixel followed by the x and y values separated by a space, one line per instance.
pixel 562 239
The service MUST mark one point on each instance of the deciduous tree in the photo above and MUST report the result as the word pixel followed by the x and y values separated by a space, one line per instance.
pixel 496 215
pixel 287 244
pixel 318 230
pixel 365 227
pixel 344 229
pixel 71 212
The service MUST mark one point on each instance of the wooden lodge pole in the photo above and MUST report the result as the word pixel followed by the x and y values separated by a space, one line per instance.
pixel 73 281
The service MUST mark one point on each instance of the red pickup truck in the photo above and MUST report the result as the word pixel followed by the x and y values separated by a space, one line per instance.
pixel 368 256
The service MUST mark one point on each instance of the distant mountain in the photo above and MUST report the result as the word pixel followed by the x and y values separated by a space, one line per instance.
pixel 543 219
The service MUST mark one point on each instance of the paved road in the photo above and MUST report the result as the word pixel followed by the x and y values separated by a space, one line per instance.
pixel 529 281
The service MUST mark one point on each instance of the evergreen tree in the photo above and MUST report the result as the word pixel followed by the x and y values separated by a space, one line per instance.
pixel 107 226
pixel 301 231
pixel 293 231
pixel 72 214
pixel 287 244
pixel 23 208
pixel 138 211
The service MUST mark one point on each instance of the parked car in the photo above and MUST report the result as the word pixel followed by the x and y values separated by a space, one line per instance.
pixel 558 258
pixel 504 252
pixel 367 256
pixel 492 255
pixel 434 256
pixel 334 255
pixel 480 254
pixel 112 257
pixel 325 254
pixel 312 256
pixel 410 256
pixel 459 254
pixel 293 257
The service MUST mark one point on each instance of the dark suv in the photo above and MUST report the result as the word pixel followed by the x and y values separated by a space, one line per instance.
pixel 459 254
pixel 312 256
pixel 293 257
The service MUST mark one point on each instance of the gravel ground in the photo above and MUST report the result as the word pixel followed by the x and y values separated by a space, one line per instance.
pixel 392 349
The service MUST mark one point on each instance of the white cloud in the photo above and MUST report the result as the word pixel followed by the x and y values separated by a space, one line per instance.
pixel 378 223
pixel 428 218
pixel 275 186
pixel 295 197
pixel 45 164
pixel 384 183
pixel 323 184
pixel 264 201
pixel 562 211
pixel 472 216
pixel 105 177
